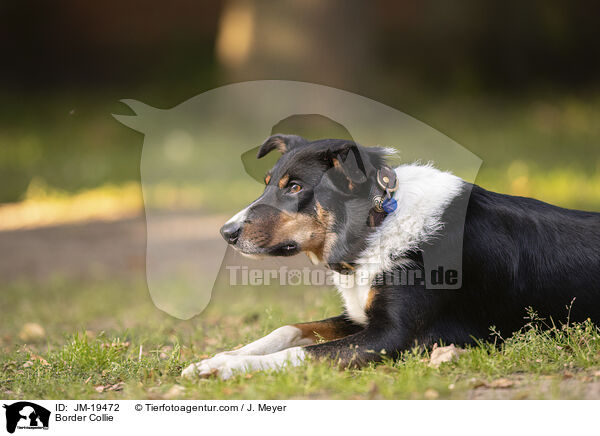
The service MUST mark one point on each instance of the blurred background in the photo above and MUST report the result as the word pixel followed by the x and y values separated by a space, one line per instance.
pixel 517 83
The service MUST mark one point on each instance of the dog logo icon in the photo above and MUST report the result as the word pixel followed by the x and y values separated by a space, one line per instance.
pixel 26 415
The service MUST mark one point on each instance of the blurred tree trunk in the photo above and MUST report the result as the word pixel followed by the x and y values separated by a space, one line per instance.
pixel 329 42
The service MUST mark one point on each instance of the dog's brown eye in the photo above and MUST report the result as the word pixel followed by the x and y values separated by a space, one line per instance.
pixel 295 188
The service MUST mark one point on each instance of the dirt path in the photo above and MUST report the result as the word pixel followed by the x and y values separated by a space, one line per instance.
pixel 98 247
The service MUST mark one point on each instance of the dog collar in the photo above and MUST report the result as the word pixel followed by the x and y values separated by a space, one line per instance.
pixel 383 204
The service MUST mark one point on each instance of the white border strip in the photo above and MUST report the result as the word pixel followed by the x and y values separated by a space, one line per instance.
pixel 316 417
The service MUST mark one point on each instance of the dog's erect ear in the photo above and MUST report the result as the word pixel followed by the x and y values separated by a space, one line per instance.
pixel 351 161
pixel 283 143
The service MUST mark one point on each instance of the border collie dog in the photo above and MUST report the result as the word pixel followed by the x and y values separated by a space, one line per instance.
pixel 419 256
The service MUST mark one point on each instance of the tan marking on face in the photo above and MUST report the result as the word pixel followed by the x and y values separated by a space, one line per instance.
pixel 370 298
pixel 313 233
pixel 302 228
pixel 326 219
pixel 267 179
pixel 283 181
pixel 326 330
pixel 275 228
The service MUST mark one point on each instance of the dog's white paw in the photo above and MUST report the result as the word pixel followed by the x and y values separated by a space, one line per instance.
pixel 221 365
pixel 225 365
pixel 211 366
pixel 190 372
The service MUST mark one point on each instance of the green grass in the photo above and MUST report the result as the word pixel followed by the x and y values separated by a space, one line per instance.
pixel 111 342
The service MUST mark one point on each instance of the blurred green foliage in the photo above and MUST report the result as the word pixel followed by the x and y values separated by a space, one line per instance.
pixel 514 82
pixel 67 144
pixel 547 147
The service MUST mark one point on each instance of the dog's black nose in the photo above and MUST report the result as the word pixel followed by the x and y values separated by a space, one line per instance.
pixel 231 232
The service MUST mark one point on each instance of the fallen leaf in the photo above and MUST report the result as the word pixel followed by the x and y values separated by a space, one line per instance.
pixel 99 388
pixel 116 387
pixel 32 332
pixel 12 365
pixel 431 394
pixel 477 383
pixel 175 392
pixel 28 364
pixel 40 359
pixel 440 355
pixel 501 383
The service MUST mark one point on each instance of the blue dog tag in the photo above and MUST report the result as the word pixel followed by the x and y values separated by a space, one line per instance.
pixel 389 205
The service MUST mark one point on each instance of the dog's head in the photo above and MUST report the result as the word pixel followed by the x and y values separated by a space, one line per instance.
pixel 317 200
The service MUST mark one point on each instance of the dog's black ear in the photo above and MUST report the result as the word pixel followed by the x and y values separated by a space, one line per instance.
pixel 351 160
pixel 283 143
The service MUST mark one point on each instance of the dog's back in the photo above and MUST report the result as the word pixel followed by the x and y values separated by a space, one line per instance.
pixel 520 252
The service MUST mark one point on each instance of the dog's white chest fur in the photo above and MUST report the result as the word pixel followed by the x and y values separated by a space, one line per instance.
pixel 424 193
pixel 354 290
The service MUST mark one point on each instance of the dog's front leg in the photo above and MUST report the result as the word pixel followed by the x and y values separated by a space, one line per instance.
pixel 280 339
pixel 367 345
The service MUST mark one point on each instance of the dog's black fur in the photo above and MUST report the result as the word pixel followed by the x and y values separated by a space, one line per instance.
pixel 517 253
